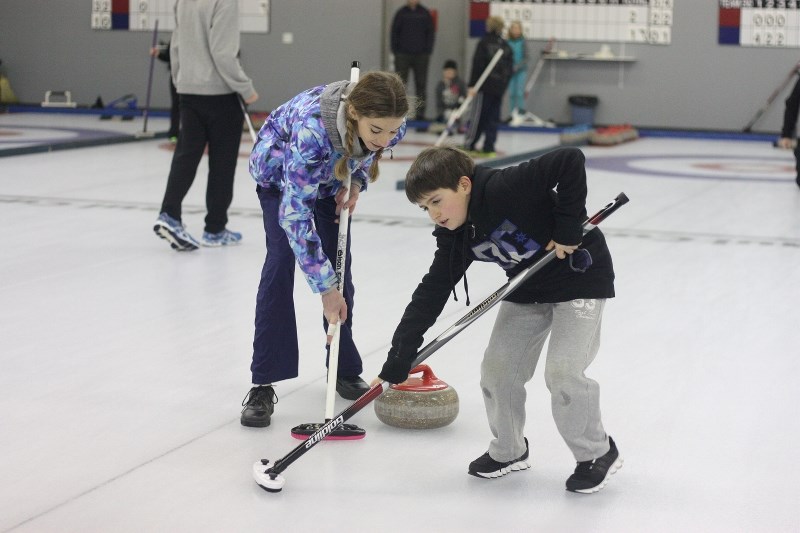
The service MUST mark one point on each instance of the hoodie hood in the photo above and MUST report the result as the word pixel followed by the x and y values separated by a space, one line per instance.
pixel 333 107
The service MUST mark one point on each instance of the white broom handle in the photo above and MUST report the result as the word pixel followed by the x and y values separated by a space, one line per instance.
pixel 548 48
pixel 150 78
pixel 339 265
pixel 247 119
pixel 468 100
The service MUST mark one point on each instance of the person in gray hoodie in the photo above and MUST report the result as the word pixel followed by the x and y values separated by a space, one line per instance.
pixel 204 53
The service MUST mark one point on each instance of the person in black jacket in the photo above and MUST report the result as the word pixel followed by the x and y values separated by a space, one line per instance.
pixel 489 97
pixel 412 37
pixel 788 138
pixel 162 53
pixel 512 217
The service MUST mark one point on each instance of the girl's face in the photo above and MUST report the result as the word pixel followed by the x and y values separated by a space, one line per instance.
pixel 446 207
pixel 377 133
pixel 515 31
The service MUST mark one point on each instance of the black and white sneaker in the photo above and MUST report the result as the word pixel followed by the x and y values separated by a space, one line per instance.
pixel 592 476
pixel 486 467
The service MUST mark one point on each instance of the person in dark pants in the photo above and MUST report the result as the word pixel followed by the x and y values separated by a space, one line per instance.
pixel 412 38
pixel 205 68
pixel 489 97
pixel 512 217
pixel 162 53
pixel 788 138
pixel 306 148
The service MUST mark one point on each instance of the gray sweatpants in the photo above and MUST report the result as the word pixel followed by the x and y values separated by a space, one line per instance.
pixel 519 334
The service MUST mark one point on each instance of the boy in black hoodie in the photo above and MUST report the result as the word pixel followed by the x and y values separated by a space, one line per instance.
pixel 511 217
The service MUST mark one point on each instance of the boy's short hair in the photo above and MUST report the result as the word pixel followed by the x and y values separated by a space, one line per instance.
pixel 450 64
pixel 434 168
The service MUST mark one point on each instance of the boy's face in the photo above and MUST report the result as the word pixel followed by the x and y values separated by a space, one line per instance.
pixel 446 207
pixel 449 73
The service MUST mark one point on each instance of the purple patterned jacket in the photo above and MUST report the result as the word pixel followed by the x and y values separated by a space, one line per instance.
pixel 296 151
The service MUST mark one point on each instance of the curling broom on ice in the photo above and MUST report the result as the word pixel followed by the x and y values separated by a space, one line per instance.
pixel 345 431
pixel 268 474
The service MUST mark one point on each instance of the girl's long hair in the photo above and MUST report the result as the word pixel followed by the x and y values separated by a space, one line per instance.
pixel 376 95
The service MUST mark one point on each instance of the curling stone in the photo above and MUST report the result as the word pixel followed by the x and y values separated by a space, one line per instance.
pixel 418 403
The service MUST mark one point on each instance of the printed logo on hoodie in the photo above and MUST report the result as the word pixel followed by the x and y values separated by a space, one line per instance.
pixel 507 246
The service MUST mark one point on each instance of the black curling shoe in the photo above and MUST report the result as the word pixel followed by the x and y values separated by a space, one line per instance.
pixel 259 404
pixel 351 387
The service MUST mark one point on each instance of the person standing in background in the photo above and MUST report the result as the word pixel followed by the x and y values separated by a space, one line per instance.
pixel 516 87
pixel 162 53
pixel 412 38
pixel 206 71
pixel 788 138
pixel 489 98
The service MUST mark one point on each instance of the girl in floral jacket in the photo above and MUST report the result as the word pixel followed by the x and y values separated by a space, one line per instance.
pixel 305 149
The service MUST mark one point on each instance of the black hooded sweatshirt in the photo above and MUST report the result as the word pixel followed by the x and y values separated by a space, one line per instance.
pixel 513 213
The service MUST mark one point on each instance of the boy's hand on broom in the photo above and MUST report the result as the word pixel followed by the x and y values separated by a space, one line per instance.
pixel 562 250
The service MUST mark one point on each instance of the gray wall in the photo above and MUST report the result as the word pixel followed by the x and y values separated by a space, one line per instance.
pixel 48 44
pixel 693 83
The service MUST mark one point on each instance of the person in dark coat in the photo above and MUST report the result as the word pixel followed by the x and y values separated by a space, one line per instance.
pixel 489 97
pixel 162 53
pixel 412 38
pixel 788 138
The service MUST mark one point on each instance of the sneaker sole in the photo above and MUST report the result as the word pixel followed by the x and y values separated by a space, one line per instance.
pixel 174 241
pixel 597 488
pixel 210 244
pixel 516 467
pixel 255 423
pixel 351 395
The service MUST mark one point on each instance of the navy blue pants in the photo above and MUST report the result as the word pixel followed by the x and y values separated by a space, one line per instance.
pixel 275 350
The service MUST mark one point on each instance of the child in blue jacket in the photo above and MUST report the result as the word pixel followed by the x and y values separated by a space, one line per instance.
pixel 516 87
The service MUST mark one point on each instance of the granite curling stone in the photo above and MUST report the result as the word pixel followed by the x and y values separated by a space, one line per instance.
pixel 418 403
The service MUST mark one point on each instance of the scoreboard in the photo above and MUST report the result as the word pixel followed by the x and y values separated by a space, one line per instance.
pixel 141 15
pixel 616 21
pixel 762 23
